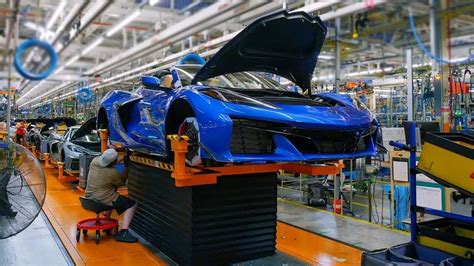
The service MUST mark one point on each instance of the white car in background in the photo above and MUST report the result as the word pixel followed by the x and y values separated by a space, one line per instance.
pixel 76 141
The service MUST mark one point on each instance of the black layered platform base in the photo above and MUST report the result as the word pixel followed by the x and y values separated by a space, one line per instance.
pixel 232 221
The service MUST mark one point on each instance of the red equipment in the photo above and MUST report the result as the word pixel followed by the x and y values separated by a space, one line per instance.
pixel 98 223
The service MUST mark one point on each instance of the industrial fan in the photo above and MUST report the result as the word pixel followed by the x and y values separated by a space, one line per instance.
pixel 35 59
pixel 45 110
pixel 84 95
pixel 22 188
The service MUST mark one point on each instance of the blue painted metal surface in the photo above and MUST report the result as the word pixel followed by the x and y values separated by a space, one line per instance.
pixel 412 143
pixel 148 109
pixel 449 215
pixel 150 82
pixel 138 120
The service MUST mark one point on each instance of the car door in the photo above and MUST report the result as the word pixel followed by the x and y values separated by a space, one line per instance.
pixel 150 128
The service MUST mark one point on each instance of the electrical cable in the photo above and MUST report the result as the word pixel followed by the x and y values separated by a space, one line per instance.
pixel 425 50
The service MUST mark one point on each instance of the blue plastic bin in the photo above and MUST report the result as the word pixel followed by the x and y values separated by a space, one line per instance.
pixel 419 253
pixel 457 261
pixel 384 257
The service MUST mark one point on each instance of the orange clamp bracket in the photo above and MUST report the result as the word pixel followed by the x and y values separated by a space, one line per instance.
pixel 186 176
pixel 104 136
pixel 62 177
pixel 183 175
pixel 47 163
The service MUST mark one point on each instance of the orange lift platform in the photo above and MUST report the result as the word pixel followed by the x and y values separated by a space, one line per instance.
pixel 63 210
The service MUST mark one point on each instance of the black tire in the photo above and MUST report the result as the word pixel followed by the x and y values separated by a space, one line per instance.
pixel 84 232
pixel 97 237
pixel 78 235
pixel 193 156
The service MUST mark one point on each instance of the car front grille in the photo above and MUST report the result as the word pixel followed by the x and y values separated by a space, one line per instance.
pixel 255 137
pixel 327 142
pixel 249 138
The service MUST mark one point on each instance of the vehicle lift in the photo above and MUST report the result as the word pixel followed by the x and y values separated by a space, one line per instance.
pixel 186 176
pixel 197 197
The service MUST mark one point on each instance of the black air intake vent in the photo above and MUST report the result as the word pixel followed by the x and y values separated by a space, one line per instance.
pixel 249 138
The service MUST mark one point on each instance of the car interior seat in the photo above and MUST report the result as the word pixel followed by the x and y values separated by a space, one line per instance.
pixel 166 81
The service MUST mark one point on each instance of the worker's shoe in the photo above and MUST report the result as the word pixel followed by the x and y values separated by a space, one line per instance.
pixel 125 236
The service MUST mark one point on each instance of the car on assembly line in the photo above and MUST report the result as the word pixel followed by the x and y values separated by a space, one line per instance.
pixel 39 131
pixel 77 140
pixel 234 113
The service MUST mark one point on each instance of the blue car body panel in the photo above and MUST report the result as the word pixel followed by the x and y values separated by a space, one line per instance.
pixel 147 132
pixel 145 111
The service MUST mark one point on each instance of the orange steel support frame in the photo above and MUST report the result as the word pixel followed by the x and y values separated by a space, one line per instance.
pixel 104 136
pixel 47 162
pixel 193 176
pixel 62 177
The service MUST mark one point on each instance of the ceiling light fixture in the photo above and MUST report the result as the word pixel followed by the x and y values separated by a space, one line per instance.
pixel 123 23
pixel 153 2
pixel 92 45
pixel 32 89
pixel 56 14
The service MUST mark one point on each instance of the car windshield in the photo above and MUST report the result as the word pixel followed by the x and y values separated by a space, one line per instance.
pixel 239 80
pixel 91 137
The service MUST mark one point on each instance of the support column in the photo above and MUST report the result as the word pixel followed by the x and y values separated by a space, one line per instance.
pixel 337 73
pixel 439 47
pixel 409 64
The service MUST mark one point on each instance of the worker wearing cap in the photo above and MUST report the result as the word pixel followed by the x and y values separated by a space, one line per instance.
pixel 102 182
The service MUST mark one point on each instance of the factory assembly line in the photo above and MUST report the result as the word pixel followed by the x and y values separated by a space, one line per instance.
pixel 228 132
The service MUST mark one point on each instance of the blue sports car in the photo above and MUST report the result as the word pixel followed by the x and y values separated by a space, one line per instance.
pixel 233 110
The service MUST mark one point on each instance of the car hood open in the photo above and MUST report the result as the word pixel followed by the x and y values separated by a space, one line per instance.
pixel 85 129
pixel 286 44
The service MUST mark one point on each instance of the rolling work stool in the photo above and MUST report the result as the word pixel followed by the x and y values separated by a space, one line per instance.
pixel 98 223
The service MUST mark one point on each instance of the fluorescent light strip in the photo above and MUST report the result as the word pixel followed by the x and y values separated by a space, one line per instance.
pixel 98 41
pixel 32 89
pixel 123 23
pixel 57 88
pixel 153 2
pixel 56 14
pixel 92 45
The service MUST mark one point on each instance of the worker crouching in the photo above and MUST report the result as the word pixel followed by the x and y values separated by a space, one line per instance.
pixel 102 183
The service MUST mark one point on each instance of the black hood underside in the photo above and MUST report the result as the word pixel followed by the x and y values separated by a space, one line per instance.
pixel 285 44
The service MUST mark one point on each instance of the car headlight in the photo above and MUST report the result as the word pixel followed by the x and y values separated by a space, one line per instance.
pixel 233 97
pixel 76 148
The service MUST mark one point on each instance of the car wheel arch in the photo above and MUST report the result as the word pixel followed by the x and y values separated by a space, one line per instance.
pixel 102 119
pixel 179 110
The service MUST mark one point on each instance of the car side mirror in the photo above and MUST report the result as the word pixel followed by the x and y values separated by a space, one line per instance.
pixel 151 82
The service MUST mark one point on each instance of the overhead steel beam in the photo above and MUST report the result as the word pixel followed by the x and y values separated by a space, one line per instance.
pixel 86 21
pixel 190 25
pixel 136 72
pixel 318 6
pixel 69 20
